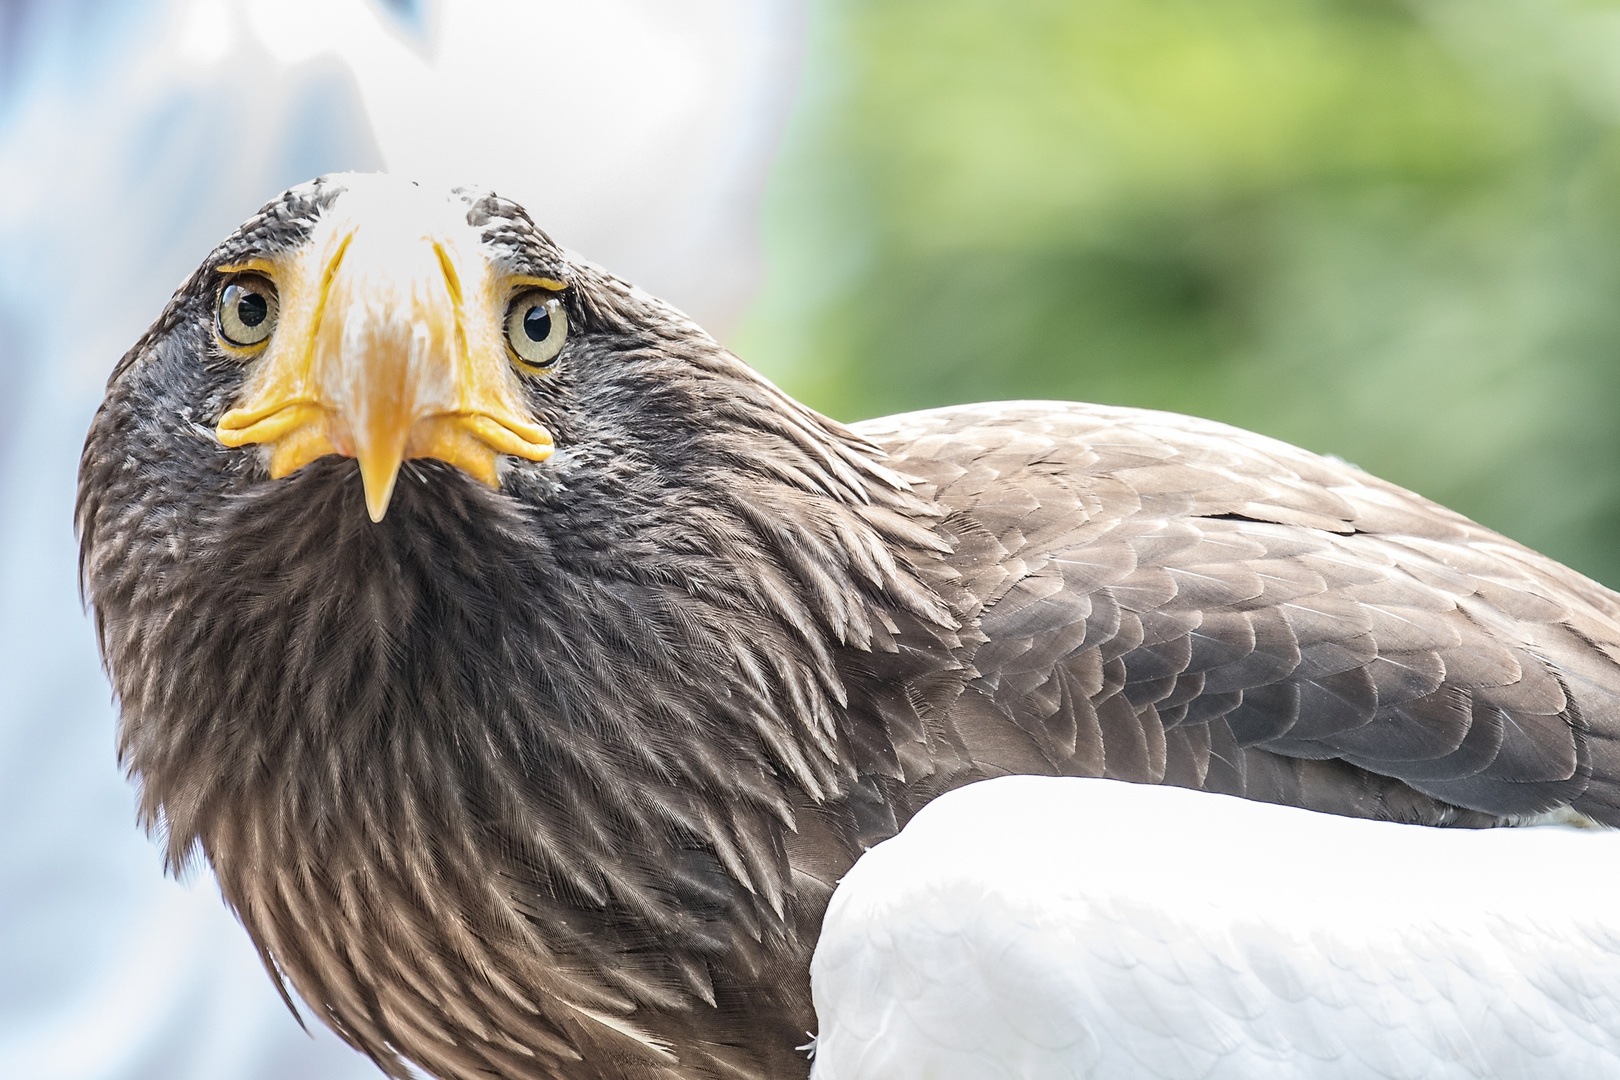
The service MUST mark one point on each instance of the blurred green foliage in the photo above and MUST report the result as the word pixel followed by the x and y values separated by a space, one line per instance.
pixel 1380 229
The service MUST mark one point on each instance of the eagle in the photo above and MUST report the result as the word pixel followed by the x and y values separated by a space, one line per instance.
pixel 530 670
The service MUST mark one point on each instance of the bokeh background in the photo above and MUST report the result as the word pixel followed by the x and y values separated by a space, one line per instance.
pixel 1383 229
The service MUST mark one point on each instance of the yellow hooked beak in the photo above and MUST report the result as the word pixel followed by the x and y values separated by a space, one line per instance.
pixel 388 346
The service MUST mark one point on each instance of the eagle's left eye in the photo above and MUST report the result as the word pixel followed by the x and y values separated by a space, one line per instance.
pixel 247 311
pixel 536 325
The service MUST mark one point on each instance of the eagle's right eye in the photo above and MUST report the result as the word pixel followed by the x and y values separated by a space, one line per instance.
pixel 247 311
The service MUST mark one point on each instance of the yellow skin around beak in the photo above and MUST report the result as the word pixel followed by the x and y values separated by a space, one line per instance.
pixel 381 354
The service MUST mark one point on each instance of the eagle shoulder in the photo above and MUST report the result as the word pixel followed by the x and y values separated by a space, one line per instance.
pixel 1164 599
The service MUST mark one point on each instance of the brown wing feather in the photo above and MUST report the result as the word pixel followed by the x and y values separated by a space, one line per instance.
pixel 1164 599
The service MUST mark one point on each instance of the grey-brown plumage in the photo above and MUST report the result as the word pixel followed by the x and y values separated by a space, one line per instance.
pixel 554 778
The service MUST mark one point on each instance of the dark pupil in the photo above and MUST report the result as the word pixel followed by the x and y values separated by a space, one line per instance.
pixel 252 309
pixel 537 323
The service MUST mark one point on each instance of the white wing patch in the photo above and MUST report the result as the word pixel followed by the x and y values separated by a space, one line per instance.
pixel 1033 927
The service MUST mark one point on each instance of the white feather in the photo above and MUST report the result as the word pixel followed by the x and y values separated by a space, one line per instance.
pixel 1035 927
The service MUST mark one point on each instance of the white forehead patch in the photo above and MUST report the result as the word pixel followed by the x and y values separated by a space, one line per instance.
pixel 395 214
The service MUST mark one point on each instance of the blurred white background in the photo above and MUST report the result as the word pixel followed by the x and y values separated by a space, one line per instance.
pixel 133 137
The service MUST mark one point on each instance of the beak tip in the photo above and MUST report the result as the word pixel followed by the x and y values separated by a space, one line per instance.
pixel 377 499
pixel 378 485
